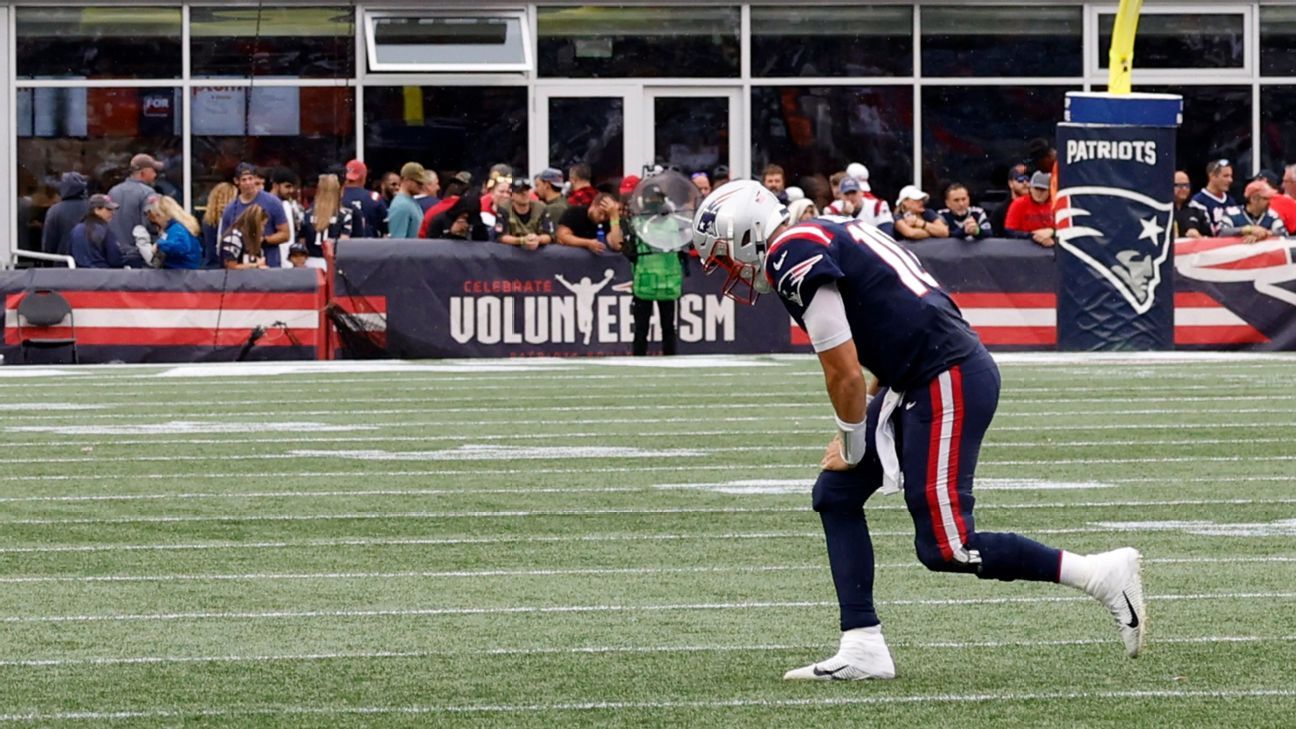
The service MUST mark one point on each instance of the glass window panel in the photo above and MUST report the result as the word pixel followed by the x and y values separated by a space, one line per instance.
pixel 844 40
pixel 1278 40
pixel 638 42
pixel 119 42
pixel 974 134
pixel 292 42
pixel 309 130
pixel 589 130
pixel 1200 40
pixel 692 132
pixel 93 131
pixel 1022 40
pixel 814 131
pixel 446 128
pixel 1216 125
pixel 415 43
pixel 1277 136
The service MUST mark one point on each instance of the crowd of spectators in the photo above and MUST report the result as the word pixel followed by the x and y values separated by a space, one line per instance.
pixel 260 218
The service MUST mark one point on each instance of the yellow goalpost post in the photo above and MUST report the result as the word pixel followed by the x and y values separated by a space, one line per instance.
pixel 1120 58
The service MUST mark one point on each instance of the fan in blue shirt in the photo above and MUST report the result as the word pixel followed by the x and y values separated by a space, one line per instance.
pixel 250 193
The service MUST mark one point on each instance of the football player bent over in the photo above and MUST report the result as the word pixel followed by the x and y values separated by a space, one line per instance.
pixel 864 300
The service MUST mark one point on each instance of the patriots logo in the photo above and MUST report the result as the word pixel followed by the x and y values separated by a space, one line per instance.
pixel 706 221
pixel 1269 266
pixel 789 284
pixel 1125 237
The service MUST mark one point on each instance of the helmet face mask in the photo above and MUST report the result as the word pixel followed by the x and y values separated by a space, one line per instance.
pixel 731 230
pixel 745 282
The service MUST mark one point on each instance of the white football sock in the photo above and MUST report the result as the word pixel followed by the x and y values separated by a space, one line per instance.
pixel 855 638
pixel 1076 570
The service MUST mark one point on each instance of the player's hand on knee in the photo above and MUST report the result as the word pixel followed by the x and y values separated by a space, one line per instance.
pixel 832 458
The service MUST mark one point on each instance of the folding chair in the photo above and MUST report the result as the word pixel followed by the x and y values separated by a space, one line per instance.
pixel 42 309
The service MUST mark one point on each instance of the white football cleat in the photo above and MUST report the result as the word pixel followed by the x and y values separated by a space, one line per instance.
pixel 863 655
pixel 1118 583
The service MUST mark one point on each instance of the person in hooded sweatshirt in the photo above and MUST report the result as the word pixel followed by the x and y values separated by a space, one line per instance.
pixel 65 214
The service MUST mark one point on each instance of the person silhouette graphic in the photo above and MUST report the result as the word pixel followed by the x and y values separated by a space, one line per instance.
pixel 584 290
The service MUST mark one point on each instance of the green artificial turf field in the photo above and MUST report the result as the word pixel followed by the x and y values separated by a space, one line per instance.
pixel 614 543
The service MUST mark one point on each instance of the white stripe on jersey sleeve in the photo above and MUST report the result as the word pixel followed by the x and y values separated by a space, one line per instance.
pixel 825 319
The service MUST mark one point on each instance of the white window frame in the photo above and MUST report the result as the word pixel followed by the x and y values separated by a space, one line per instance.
pixel 634 152
pixel 521 15
pixel 9 143
pixel 732 93
pixel 1207 76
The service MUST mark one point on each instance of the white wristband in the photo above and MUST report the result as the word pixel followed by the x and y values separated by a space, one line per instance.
pixel 853 440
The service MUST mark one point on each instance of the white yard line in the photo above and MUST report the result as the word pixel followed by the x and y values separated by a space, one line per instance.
pixel 804 467
pixel 813 424
pixel 584 609
pixel 525 490
pixel 1137 364
pixel 591 385
pixel 616 706
pixel 331 494
pixel 555 572
pixel 1164 425
pixel 452 574
pixel 807 395
pixel 608 650
pixel 627 511
pixel 559 454
pixel 366 473
pixel 296 439
pixel 396 515
pixel 461 541
pixel 809 406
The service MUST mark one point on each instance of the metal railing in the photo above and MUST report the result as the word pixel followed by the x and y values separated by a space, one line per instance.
pixel 38 256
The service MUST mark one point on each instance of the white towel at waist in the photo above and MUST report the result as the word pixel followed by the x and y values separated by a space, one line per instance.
pixel 884 439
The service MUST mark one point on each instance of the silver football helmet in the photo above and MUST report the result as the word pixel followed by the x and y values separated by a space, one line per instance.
pixel 732 230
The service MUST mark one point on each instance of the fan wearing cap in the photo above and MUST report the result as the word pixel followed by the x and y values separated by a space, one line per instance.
pixel 367 206
pixel 1254 221
pixel 92 243
pixel 1018 186
pixel 523 222
pixel 548 187
pixel 250 182
pixel 132 194
pixel 405 215
pixel 858 171
pixel 1031 216
pixel 914 221
pixel 1281 205
pixel 856 200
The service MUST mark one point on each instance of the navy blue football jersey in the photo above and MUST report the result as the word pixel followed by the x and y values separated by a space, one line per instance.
pixel 906 329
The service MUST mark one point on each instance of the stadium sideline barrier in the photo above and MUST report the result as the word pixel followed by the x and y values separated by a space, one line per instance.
pixel 441 299
pixel 177 316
